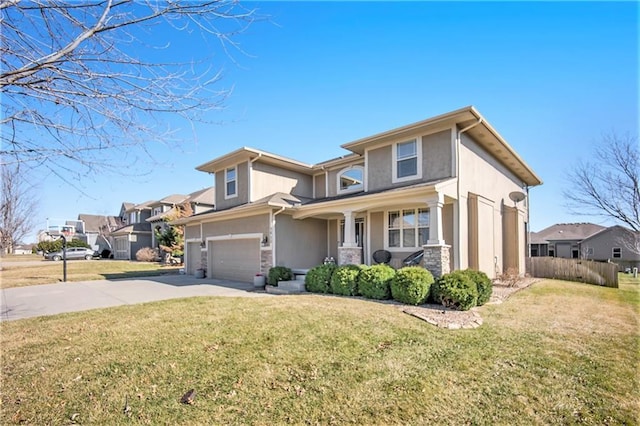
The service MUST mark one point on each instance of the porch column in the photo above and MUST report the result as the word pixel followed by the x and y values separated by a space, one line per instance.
pixel 436 252
pixel 436 236
pixel 349 230
pixel 349 253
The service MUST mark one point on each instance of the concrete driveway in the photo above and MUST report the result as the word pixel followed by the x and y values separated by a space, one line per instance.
pixel 51 299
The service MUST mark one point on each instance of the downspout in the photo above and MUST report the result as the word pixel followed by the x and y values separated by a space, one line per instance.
pixel 458 142
pixel 273 234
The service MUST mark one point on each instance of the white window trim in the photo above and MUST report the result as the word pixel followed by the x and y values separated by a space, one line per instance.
pixel 613 252
pixel 348 191
pixel 234 195
pixel 386 229
pixel 394 165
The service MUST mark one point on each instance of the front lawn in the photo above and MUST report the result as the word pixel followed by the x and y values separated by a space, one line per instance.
pixel 557 352
pixel 47 272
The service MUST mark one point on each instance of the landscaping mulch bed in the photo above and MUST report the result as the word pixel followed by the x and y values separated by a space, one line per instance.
pixel 440 316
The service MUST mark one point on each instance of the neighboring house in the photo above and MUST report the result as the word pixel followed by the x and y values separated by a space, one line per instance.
pixel 198 202
pixel 135 234
pixel 96 230
pixel 449 186
pixel 160 210
pixel 23 249
pixel 615 244
pixel 562 239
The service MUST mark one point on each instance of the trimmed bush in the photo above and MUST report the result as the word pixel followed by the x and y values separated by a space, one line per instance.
pixel 319 277
pixel 374 282
pixel 345 280
pixel 279 273
pixel 411 285
pixel 483 285
pixel 146 254
pixel 456 290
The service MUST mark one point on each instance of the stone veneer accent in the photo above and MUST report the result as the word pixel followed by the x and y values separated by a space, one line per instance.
pixel 203 259
pixel 266 261
pixel 436 259
pixel 349 255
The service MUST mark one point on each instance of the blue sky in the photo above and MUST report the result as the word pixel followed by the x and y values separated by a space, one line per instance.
pixel 550 77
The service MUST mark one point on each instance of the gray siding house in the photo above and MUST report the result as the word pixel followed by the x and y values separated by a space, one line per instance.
pixel 449 186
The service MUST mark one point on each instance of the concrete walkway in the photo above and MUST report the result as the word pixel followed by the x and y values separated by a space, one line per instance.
pixel 52 299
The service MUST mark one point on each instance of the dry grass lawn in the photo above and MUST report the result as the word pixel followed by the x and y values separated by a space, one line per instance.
pixel 557 352
pixel 17 274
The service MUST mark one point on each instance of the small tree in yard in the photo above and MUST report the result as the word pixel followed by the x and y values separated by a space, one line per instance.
pixel 171 238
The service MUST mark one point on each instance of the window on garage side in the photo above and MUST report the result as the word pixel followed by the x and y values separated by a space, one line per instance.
pixel 230 182
pixel 408 228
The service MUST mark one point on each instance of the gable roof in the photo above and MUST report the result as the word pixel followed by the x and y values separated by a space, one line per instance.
pixel 482 133
pixel 204 196
pixel 251 154
pixel 94 223
pixel 566 232
pixel 615 228
pixel 169 199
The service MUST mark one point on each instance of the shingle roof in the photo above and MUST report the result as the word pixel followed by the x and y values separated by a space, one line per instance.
pixel 94 223
pixel 565 231
pixel 203 196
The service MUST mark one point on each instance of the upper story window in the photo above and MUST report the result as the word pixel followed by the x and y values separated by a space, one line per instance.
pixel 616 252
pixel 408 228
pixel 351 180
pixel 230 181
pixel 157 211
pixel 133 217
pixel 407 160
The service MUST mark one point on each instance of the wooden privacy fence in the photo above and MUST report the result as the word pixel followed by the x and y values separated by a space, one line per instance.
pixel 585 271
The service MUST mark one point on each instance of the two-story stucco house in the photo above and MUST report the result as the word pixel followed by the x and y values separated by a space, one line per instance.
pixel 449 185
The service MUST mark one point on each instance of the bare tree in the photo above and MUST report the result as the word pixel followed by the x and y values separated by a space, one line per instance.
pixel 17 208
pixel 609 184
pixel 82 88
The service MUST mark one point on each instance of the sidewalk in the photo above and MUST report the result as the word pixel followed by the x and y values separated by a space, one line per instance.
pixel 52 299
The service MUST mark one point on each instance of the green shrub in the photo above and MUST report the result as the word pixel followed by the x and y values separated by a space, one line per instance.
pixel 56 245
pixel 279 273
pixel 319 277
pixel 374 282
pixel 411 285
pixel 345 280
pixel 483 285
pixel 456 290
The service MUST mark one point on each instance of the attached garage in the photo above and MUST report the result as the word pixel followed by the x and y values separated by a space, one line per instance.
pixel 235 258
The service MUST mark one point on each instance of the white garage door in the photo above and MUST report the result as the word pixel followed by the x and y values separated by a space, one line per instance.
pixel 237 260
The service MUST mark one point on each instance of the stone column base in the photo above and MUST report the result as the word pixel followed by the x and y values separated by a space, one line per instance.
pixel 436 259
pixel 349 255
pixel 266 261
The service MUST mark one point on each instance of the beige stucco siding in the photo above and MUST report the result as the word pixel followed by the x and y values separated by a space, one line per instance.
pixel 436 161
pixel 192 232
pixel 300 243
pixel 482 174
pixel 245 225
pixel 242 188
pixel 437 156
pixel 320 185
pixel 376 238
pixel 379 168
pixel 333 238
pixel 267 179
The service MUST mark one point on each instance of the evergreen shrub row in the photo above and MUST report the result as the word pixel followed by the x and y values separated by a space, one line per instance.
pixel 412 285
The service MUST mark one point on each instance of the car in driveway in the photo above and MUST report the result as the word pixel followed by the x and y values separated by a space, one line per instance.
pixel 73 253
